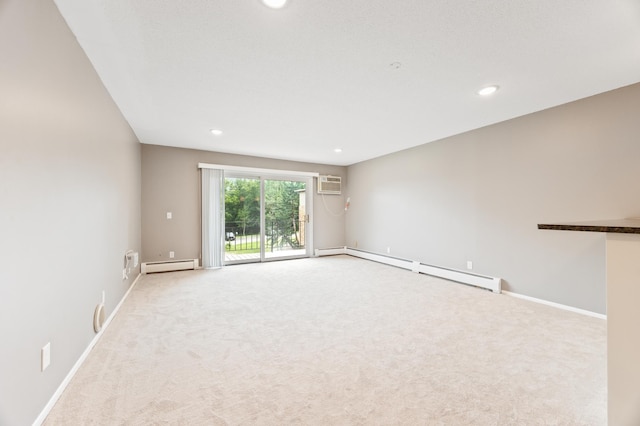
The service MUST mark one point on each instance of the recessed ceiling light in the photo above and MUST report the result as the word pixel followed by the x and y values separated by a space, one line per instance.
pixel 216 132
pixel 338 150
pixel 489 90
pixel 274 4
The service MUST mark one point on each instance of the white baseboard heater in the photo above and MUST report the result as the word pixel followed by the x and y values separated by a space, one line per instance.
pixel 168 266
pixel 483 281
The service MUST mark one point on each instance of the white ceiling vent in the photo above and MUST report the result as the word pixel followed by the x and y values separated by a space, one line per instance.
pixel 330 185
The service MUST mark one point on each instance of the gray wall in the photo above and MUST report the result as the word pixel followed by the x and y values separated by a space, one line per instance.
pixel 70 203
pixel 171 183
pixel 479 196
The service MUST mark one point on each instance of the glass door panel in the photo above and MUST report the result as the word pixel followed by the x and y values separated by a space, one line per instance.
pixel 285 218
pixel 242 219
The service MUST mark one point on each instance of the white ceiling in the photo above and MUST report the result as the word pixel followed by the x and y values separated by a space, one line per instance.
pixel 296 83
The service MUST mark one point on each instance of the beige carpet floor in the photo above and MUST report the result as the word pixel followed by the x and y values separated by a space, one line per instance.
pixel 336 341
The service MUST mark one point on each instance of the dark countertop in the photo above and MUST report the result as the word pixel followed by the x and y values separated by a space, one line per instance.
pixel 620 226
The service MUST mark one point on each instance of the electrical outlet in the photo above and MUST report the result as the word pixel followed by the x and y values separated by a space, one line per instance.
pixel 388 250
pixel 169 215
pixel 469 264
pixel 171 255
pixel 355 245
pixel 45 356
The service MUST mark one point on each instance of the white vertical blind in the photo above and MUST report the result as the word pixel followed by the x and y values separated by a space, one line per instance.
pixel 212 218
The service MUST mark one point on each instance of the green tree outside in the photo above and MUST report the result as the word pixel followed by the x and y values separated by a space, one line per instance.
pixel 282 202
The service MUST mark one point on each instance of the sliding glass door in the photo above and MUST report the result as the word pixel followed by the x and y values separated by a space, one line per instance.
pixel 266 218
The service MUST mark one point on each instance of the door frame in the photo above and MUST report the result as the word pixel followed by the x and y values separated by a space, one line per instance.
pixel 265 174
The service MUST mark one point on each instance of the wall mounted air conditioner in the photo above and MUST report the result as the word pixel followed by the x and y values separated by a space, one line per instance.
pixel 329 185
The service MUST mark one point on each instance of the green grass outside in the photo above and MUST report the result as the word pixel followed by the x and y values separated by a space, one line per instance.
pixel 245 247
pixel 243 251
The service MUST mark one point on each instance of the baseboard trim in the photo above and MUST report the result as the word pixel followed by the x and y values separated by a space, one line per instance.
pixel 464 277
pixel 330 251
pixel 58 393
pixel 556 305
pixel 405 264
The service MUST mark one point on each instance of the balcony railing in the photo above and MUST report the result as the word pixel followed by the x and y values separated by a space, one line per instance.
pixel 279 235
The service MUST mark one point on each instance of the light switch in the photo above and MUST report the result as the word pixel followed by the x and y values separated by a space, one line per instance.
pixel 169 215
